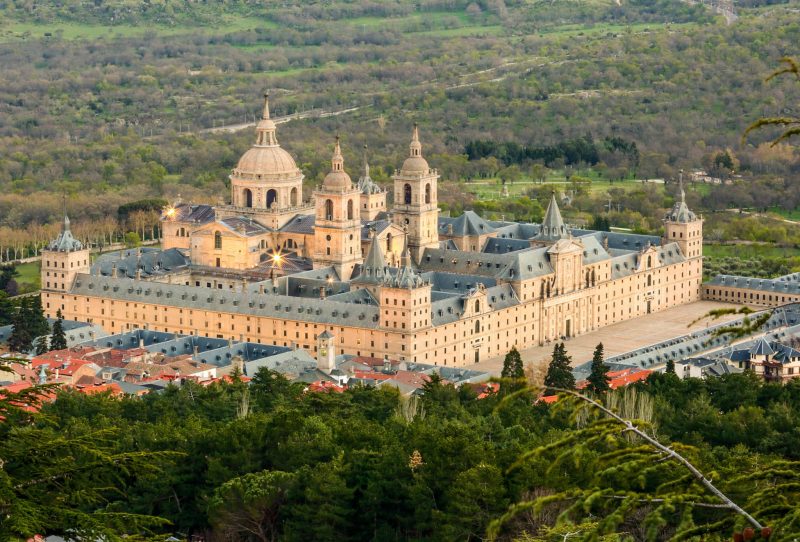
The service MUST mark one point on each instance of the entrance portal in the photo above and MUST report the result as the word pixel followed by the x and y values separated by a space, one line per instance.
pixel 648 307
pixel 477 355
pixel 569 328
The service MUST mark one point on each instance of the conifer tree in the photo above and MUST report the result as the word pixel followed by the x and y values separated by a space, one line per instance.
pixel 598 377
pixel 559 373
pixel 35 316
pixel 512 365
pixel 670 369
pixel 58 340
pixel 40 345
pixel 20 339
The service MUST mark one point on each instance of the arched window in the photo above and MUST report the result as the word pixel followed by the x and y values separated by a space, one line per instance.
pixel 217 240
pixel 477 326
pixel 183 233
pixel 293 197
pixel 649 280
pixel 477 306
pixel 588 277
pixel 272 196
pixel 649 261
pixel 388 242
pixel 328 209
pixel 428 193
pixel 349 209
pixel 407 194
pixel 594 278
pixel 248 198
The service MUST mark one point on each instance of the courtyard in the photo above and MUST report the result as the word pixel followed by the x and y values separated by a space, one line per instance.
pixel 622 337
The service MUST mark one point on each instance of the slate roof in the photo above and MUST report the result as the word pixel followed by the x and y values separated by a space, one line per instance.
pixel 300 224
pixel 377 225
pixel 149 262
pixel 553 227
pixel 197 214
pixel 267 305
pixel 497 245
pixel 522 264
pixel 469 223
pixel 245 226
pixel 761 348
pixel 764 285
pixel 65 242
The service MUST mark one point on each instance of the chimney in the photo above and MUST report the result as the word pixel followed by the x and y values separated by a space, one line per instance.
pixel 141 342
pixel 114 270
pixel 138 273
pixel 322 292
pixel 194 351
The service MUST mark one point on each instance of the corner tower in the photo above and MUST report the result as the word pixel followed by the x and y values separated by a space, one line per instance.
pixel 62 260
pixel 337 229
pixel 683 227
pixel 415 200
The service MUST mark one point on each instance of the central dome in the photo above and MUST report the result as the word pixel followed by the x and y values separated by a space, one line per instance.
pixel 267 161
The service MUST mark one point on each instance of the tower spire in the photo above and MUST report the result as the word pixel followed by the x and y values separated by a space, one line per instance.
pixel 366 163
pixel 66 218
pixel 415 147
pixel 680 183
pixel 265 129
pixel 266 106
pixel 337 161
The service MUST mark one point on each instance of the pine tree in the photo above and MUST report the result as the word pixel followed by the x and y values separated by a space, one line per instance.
pixel 512 365
pixel 35 316
pixel 559 373
pixel 598 377
pixel 20 339
pixel 58 340
pixel 670 370
pixel 40 345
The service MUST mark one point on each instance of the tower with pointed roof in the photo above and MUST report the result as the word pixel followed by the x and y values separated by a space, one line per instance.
pixel 373 197
pixel 337 228
pixel 553 227
pixel 62 260
pixel 415 200
pixel 266 182
pixel 683 227
pixel 374 270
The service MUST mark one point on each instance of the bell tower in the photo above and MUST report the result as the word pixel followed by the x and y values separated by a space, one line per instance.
pixel 337 230
pixel 415 200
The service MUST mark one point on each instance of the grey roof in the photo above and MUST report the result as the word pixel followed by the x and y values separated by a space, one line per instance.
pixel 65 242
pixel 765 285
pixel 300 224
pixel 267 304
pixel 496 245
pixel 374 268
pixel 785 353
pixel 149 262
pixel 406 277
pixel 516 230
pixel 469 223
pixel 359 297
pixel 197 214
pixel 365 183
pixel 456 282
pixel 519 265
pixel 368 226
pixel 619 240
pixel 553 227
pixel 245 226
pixel 680 211
pixel 291 363
pixel 761 348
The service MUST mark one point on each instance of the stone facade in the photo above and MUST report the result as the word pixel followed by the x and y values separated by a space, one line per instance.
pixel 447 291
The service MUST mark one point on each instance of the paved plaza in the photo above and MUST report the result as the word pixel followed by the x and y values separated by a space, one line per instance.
pixel 623 337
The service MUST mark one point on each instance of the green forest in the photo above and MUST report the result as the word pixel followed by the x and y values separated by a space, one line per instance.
pixel 110 101
pixel 265 461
